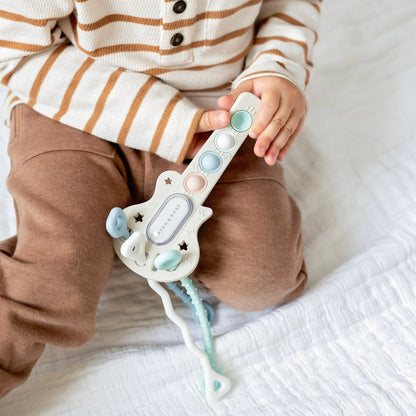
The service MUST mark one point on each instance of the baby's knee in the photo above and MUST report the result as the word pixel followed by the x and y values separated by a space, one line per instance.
pixel 67 318
pixel 64 292
pixel 259 291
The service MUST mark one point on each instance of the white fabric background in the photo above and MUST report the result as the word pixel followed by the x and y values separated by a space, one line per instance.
pixel 348 345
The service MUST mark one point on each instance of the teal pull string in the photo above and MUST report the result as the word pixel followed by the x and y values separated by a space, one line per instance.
pixel 203 321
pixel 180 293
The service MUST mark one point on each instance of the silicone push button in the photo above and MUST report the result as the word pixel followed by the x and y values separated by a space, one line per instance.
pixel 241 120
pixel 210 162
pixel 225 141
pixel 195 183
pixel 168 260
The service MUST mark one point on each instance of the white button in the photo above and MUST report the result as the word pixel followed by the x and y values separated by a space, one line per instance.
pixel 225 141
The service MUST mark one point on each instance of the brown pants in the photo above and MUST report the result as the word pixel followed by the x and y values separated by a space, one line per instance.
pixel 64 183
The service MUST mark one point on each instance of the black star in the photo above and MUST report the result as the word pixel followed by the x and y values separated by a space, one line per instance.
pixel 183 246
pixel 138 217
pixel 168 181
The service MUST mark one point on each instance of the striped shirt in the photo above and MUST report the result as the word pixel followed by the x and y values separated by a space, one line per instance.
pixel 139 72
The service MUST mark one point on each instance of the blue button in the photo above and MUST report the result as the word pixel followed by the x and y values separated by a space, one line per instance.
pixel 241 120
pixel 210 162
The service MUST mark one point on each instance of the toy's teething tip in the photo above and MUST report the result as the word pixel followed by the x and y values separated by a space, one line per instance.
pixel 116 224
pixel 218 386
pixel 134 248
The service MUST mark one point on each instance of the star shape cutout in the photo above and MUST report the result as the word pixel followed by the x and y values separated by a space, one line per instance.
pixel 138 217
pixel 183 246
pixel 168 181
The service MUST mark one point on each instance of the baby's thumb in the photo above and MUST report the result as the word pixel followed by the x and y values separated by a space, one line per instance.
pixel 212 120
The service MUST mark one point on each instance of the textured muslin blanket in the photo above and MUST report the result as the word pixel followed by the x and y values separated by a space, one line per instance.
pixel 345 347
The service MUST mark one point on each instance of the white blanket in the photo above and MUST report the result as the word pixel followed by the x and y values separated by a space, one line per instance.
pixel 347 346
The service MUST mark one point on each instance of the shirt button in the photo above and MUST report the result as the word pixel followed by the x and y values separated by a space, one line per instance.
pixel 176 39
pixel 179 6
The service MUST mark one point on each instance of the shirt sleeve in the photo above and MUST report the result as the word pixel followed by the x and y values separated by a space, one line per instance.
pixel 44 70
pixel 286 33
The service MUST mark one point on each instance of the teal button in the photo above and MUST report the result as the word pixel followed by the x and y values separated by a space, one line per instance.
pixel 168 260
pixel 241 120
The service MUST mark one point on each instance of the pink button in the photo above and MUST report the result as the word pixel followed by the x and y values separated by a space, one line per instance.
pixel 195 183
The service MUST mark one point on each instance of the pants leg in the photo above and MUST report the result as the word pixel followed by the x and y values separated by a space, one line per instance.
pixel 64 182
pixel 251 248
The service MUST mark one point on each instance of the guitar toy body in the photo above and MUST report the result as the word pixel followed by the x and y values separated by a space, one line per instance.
pixel 163 230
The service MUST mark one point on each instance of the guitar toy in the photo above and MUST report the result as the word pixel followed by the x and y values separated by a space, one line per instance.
pixel 158 240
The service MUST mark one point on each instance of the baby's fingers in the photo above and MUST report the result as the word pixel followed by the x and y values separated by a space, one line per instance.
pixel 285 150
pixel 277 122
pixel 270 100
pixel 287 133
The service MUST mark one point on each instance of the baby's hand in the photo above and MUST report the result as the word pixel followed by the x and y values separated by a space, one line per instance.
pixel 279 119
pixel 210 120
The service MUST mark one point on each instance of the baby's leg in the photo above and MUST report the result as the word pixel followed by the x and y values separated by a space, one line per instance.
pixel 251 248
pixel 64 182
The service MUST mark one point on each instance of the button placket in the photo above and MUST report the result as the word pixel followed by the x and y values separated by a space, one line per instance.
pixel 173 37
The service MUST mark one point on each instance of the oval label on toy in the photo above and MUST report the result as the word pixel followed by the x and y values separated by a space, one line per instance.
pixel 169 219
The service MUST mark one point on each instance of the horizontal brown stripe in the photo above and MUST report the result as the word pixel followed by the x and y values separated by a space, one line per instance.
pixel 316 7
pixel 13 100
pixel 164 52
pixel 213 89
pixel 6 79
pixel 134 108
pixel 40 77
pixel 102 99
pixel 107 50
pixel 206 42
pixel 23 19
pixel 269 51
pixel 164 121
pixel 73 85
pixel 221 14
pixel 289 19
pixel 262 40
pixel 112 18
pixel 25 47
pixel 308 77
pixel 190 135
pixel 310 2
pixel 259 73
pixel 159 71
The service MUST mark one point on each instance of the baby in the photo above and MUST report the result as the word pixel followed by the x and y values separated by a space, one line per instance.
pixel 105 95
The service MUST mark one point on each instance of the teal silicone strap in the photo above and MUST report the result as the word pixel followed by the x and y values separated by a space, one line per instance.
pixel 204 323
